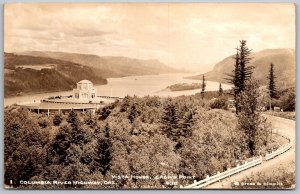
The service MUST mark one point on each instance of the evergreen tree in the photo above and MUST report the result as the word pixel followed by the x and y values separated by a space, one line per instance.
pixel 103 154
pixel 288 100
pixel 89 118
pixel 126 102
pixel 241 72
pixel 249 119
pixel 234 79
pixel 170 121
pixel 244 59
pixel 105 112
pixel 57 119
pixel 272 85
pixel 134 112
pixel 72 118
pixel 60 144
pixel 186 124
pixel 203 86
pixel 220 90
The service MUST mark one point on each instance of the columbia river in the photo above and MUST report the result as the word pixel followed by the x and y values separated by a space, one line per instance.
pixel 153 85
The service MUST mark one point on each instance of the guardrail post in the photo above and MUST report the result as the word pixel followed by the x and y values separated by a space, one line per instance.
pixel 218 174
pixel 228 169
pixel 242 165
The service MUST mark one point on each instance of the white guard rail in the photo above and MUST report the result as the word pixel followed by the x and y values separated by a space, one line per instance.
pixel 227 173
pixel 278 152
pixel 239 168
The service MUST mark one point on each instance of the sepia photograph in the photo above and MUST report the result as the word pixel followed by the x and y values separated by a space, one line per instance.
pixel 149 96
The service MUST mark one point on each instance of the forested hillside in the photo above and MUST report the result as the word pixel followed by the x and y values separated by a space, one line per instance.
pixel 136 137
pixel 28 74
pixel 110 66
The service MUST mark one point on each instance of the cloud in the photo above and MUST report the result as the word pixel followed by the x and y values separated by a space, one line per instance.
pixel 189 34
pixel 87 32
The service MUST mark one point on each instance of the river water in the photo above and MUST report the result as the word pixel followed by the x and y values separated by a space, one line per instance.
pixel 131 85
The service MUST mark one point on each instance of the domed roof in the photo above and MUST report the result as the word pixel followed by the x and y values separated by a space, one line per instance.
pixel 85 82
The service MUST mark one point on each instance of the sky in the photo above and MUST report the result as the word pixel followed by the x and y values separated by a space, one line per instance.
pixel 183 35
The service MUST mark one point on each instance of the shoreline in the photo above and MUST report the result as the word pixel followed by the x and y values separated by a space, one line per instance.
pixel 118 87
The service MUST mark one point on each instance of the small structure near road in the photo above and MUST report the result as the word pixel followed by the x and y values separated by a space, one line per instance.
pixel 231 105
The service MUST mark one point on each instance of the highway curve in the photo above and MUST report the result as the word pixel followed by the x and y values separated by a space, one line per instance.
pixel 286 126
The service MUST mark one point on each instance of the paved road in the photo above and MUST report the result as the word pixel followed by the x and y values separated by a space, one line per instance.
pixel 285 126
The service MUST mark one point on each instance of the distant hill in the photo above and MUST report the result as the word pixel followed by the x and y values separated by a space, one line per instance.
pixel 28 74
pixel 284 64
pixel 110 66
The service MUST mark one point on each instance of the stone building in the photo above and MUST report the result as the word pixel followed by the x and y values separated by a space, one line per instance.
pixel 85 90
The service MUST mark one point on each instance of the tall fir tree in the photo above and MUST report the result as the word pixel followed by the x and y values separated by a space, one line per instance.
pixel 186 123
pixel 103 155
pixel 73 119
pixel 57 119
pixel 272 86
pixel 134 112
pixel 220 90
pixel 249 119
pixel 241 72
pixel 245 70
pixel 234 79
pixel 170 119
pixel 203 86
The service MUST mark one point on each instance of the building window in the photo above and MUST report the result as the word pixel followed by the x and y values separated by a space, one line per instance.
pixel 84 95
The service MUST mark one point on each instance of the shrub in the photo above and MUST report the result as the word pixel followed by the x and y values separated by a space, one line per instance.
pixel 43 122
pixel 220 103
pixel 284 177
pixel 249 119
pixel 57 119
pixel 167 136
pixel 288 101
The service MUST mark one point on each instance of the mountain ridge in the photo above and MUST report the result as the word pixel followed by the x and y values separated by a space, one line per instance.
pixel 109 66
pixel 284 64
pixel 25 74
